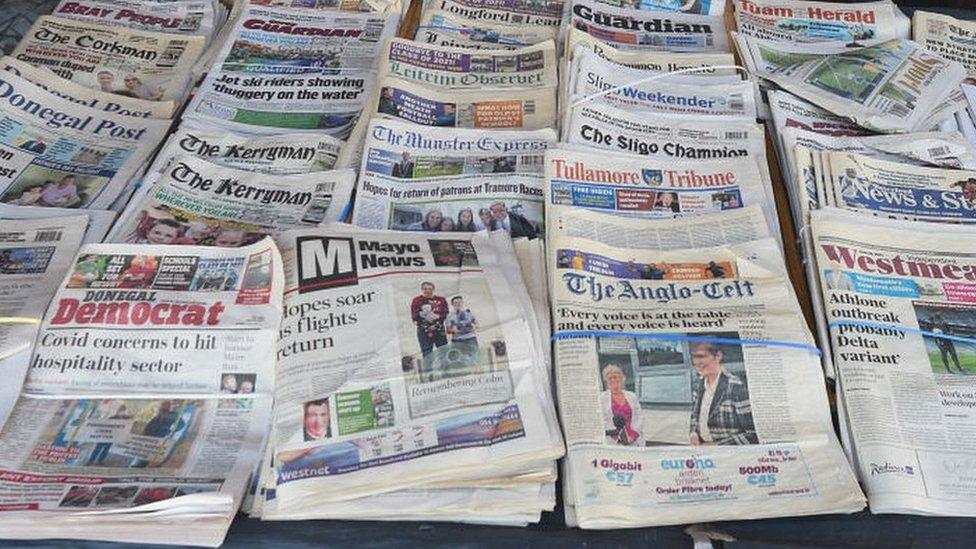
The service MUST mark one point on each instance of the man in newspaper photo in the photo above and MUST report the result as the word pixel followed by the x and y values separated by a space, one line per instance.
pixel 404 168
pixel 721 413
pixel 317 420
pixel 428 312
pixel 947 348
pixel 512 223
pixel 462 325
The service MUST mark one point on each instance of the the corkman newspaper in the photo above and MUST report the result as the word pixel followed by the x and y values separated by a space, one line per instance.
pixel 445 29
pixel 34 256
pixel 139 398
pixel 947 36
pixel 900 303
pixel 794 21
pixel 96 99
pixel 143 64
pixel 195 17
pixel 689 385
pixel 287 71
pixel 648 30
pixel 647 187
pixel 544 13
pixel 460 382
pixel 195 202
pixel 57 153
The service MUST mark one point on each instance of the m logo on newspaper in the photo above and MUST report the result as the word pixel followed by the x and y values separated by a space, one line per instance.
pixel 325 262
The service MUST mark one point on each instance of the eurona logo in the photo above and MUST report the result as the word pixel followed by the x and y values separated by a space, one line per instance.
pixel 887 468
pixel 689 463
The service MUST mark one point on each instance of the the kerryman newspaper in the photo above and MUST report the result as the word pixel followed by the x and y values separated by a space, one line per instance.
pixel 96 99
pixel 35 254
pixel 648 30
pixel 293 71
pixel 459 391
pixel 900 298
pixel 57 153
pixel 149 406
pixel 445 29
pixel 952 38
pixel 197 203
pixel 282 154
pixel 596 80
pixel 689 387
pixel 423 104
pixel 447 67
pixel 795 21
pixel 195 17
pixel 894 189
pixel 545 13
pixel 705 7
pixel 143 64
pixel 648 187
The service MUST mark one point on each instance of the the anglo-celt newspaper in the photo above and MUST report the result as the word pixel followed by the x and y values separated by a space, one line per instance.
pixel 144 64
pixel 899 298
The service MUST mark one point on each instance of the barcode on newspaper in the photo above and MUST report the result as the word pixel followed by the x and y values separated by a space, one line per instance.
pixel 530 107
pixel 172 54
pixel 47 236
pixel 736 102
pixel 936 152
pixel 899 110
pixel 736 135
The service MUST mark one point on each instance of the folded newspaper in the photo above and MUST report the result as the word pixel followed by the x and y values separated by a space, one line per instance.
pixel 952 38
pixel 148 396
pixel 689 386
pixel 446 29
pixel 463 374
pixel 899 296
pixel 796 21
pixel 648 30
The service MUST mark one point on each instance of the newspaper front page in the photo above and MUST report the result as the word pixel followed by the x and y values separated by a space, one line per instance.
pixel 648 30
pixel 98 222
pixel 57 153
pixel 544 13
pixel 689 377
pixel 462 373
pixel 143 64
pixel 704 7
pixel 107 427
pixel 198 203
pixel 795 21
pixel 194 17
pixel 651 60
pixel 104 101
pixel 899 296
pixel 952 38
pixel 292 71
pixel 34 256
pixel 446 29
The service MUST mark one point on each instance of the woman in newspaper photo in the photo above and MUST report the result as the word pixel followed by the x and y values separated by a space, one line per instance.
pixel 622 419
pixel 721 413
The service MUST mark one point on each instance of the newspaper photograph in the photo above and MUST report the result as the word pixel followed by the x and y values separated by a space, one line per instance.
pixel 461 374
pixel 516 109
pixel 647 187
pixel 57 153
pixel 954 39
pixel 528 13
pixel 725 96
pixel 900 297
pixel 689 376
pixel 195 17
pixel 457 68
pixel 795 21
pixel 146 65
pixel 35 254
pixel 648 30
pixel 196 310
pixel 66 89
pixel 196 203
pixel 446 29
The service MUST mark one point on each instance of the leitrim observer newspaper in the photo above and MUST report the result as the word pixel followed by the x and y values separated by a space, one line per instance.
pixel 300 260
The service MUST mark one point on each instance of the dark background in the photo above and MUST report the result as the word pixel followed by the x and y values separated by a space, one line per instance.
pixel 858 530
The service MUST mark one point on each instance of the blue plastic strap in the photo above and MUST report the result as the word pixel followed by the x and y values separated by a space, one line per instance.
pixel 899 328
pixel 682 337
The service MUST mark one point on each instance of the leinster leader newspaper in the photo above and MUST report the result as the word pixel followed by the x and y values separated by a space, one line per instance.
pixel 689 387
pixel 900 300
pixel 458 391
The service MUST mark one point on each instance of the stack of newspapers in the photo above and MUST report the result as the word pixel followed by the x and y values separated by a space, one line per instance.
pixel 875 139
